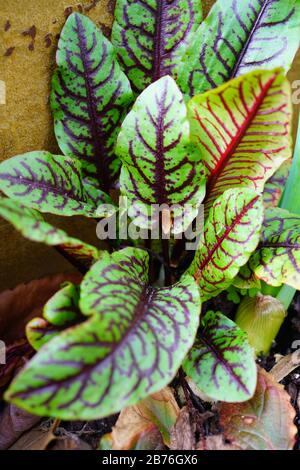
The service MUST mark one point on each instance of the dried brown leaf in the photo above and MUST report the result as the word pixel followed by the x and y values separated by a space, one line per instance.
pixel 263 423
pixel 285 366
pixel 13 423
pixel 215 443
pixel 183 432
pixel 35 439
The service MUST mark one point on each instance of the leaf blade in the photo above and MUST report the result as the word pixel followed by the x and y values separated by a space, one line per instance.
pixel 242 130
pixel 93 384
pixel 160 166
pixel 89 96
pixel 239 37
pixel 32 226
pixel 50 183
pixel 151 36
pixel 221 362
pixel 231 233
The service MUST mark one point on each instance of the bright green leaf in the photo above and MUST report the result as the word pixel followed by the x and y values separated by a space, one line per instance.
pixel 221 362
pixel 239 36
pixel 160 166
pixel 130 347
pixel 231 234
pixel 89 96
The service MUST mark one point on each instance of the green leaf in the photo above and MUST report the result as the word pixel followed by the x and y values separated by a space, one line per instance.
pixel 221 362
pixel 89 97
pixel 160 166
pixel 274 187
pixel 32 226
pixel 50 183
pixel 151 36
pixel 131 346
pixel 277 260
pixel 61 311
pixel 63 307
pixel 238 37
pixel 39 332
pixel 242 130
pixel 231 234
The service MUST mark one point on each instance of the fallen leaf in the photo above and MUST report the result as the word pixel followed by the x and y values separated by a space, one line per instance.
pixel 68 442
pixel 215 443
pixel 19 305
pixel 263 423
pixel 285 366
pixel 16 356
pixel 35 439
pixel 183 432
pixel 145 425
pixel 13 423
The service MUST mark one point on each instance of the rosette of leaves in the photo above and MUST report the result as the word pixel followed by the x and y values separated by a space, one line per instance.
pixel 122 336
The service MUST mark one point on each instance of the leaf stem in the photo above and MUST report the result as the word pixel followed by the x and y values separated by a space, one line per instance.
pixel 166 258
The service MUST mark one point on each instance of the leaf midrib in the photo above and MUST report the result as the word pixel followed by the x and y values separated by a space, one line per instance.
pixel 249 39
pixel 225 157
pixel 220 240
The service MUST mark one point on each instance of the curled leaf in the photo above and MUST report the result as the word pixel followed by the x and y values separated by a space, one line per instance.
pixel 131 346
pixel 33 226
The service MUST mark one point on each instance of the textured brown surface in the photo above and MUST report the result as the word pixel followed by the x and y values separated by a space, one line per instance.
pixel 28 30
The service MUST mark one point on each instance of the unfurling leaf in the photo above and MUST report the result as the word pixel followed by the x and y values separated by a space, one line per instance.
pixel 160 165
pixel 63 307
pixel 221 362
pixel 39 332
pixel 263 423
pixel 32 225
pixel 274 187
pixel 151 419
pixel 151 36
pixel 242 130
pixel 231 234
pixel 90 95
pixel 60 312
pixel 261 318
pixel 277 259
pixel 238 37
pixel 131 345
pixel 50 183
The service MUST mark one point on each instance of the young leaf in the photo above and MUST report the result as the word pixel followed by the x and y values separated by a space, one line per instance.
pixel 274 187
pixel 231 234
pixel 151 36
pixel 160 166
pixel 63 307
pixel 277 260
pixel 32 226
pixel 221 362
pixel 238 37
pixel 243 131
pixel 50 183
pixel 60 312
pixel 39 332
pixel 89 96
pixel 131 346
pixel 263 423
